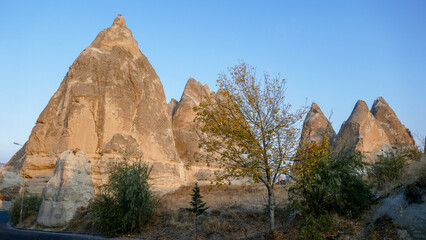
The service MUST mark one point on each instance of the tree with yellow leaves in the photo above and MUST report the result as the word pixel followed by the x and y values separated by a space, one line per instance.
pixel 249 130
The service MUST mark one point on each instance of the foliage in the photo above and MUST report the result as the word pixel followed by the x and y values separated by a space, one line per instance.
pixel 316 227
pixel 389 167
pixel 197 205
pixel 125 203
pixel 196 202
pixel 248 128
pixel 30 208
pixel 327 183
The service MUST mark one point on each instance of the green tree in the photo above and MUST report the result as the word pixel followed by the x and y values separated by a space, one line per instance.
pixel 126 202
pixel 31 206
pixel 198 206
pixel 249 130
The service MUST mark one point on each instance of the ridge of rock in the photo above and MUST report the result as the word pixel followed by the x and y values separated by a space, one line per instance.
pixel 315 125
pixel 397 133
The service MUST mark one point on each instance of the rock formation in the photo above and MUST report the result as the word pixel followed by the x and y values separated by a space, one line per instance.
pixel 185 130
pixel 10 178
pixel 315 125
pixel 171 107
pixel 111 101
pixel 397 134
pixel 362 132
pixel 69 188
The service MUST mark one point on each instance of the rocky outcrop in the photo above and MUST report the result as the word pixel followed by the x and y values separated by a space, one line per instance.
pixel 184 128
pixel 315 125
pixel 406 207
pixel 111 99
pixel 11 179
pixel 171 107
pixel 398 135
pixel 185 131
pixel 362 132
pixel 69 188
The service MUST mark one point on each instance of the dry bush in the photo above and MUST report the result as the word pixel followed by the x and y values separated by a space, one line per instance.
pixel 248 196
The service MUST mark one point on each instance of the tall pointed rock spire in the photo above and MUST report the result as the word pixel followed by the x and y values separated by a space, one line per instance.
pixel 398 134
pixel 315 125
pixel 110 103
pixel 362 132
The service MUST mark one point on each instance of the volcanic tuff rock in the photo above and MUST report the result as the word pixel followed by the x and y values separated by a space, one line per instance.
pixel 10 178
pixel 110 101
pixel 315 125
pixel 398 135
pixel 171 107
pixel 362 132
pixel 185 130
pixel 69 188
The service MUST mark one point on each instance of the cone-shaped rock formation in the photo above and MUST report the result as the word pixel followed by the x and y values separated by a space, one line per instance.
pixel 185 130
pixel 315 125
pixel 362 132
pixel 110 102
pixel 398 135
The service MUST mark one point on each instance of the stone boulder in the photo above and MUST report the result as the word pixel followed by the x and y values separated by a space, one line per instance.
pixel 398 135
pixel 70 188
pixel 362 132
pixel 315 125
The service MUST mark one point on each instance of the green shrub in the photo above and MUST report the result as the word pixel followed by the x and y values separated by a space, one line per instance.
pixel 316 227
pixel 335 184
pixel 126 202
pixel 389 167
pixel 30 208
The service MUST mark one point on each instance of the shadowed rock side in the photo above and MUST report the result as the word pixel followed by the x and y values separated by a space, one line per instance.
pixel 315 125
pixel 398 135
pixel 185 131
pixel 171 107
pixel 10 178
pixel 69 188
pixel 110 98
pixel 362 132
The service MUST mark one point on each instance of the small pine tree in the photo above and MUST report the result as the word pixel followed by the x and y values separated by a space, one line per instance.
pixel 198 206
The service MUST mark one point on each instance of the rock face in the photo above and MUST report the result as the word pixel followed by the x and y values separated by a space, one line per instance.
pixel 397 134
pixel 315 125
pixel 111 101
pixel 171 107
pixel 69 188
pixel 185 130
pixel 10 179
pixel 362 132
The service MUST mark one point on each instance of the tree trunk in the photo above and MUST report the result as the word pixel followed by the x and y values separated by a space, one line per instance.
pixel 271 208
pixel 196 228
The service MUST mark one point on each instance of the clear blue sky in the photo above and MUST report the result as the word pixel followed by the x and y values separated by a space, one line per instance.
pixel 331 52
